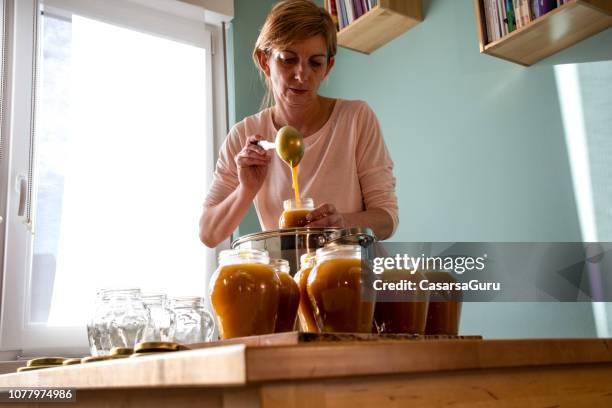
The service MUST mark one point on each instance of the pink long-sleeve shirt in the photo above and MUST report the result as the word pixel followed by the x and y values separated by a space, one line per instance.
pixel 346 163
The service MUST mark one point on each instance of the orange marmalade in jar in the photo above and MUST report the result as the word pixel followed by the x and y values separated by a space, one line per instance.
pixel 244 293
pixel 401 311
pixel 294 214
pixel 337 293
pixel 444 311
pixel 289 297
pixel 305 314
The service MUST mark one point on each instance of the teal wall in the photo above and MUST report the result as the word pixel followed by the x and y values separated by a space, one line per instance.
pixel 247 90
pixel 478 143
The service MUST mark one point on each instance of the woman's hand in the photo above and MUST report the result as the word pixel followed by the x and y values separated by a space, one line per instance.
pixel 252 163
pixel 326 215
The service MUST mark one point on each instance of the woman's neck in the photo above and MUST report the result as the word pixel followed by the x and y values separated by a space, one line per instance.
pixel 307 120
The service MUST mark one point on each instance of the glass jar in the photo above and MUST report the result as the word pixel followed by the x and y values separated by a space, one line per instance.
pixel 97 328
pixel 194 324
pixel 400 309
pixel 289 297
pixel 444 311
pixel 294 214
pixel 162 323
pixel 244 292
pixel 127 318
pixel 341 299
pixel 305 314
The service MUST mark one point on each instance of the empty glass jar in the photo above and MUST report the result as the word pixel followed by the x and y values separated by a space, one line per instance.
pixel 162 324
pixel 194 324
pixel 126 317
pixel 97 328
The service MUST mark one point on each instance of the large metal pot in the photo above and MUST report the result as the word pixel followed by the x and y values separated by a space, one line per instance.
pixel 291 243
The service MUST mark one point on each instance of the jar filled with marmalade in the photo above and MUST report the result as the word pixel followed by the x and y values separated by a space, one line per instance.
pixel 294 213
pixel 340 298
pixel 444 310
pixel 400 310
pixel 244 293
pixel 305 314
pixel 289 297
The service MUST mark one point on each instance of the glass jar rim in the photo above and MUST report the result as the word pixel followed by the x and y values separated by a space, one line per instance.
pixel 187 301
pixel 154 297
pixel 280 265
pixel 118 292
pixel 291 204
pixel 243 255
pixel 338 251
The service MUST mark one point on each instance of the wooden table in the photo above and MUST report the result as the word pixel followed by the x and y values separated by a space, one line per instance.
pixel 457 373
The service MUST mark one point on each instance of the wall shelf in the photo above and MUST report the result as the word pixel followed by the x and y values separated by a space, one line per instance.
pixel 555 31
pixel 387 20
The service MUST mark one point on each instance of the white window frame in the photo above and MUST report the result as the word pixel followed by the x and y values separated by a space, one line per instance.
pixel 172 19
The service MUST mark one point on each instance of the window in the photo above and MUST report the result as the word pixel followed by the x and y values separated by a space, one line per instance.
pixel 116 166
pixel 586 102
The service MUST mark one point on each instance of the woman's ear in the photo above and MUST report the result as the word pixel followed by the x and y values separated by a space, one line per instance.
pixel 262 58
pixel 330 64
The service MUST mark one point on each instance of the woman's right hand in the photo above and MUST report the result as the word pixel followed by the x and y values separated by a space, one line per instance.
pixel 252 163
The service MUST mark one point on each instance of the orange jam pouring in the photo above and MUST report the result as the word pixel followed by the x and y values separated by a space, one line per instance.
pixel 296 187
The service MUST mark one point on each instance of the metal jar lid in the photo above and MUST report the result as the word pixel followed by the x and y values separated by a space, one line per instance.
pixel 72 361
pixel 121 351
pixel 45 361
pixel 155 346
pixel 22 369
pixel 94 359
pixel 145 354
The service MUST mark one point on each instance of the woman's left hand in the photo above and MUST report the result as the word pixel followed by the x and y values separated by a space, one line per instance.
pixel 325 215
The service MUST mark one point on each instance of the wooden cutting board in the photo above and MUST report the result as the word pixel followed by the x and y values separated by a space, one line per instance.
pixel 294 338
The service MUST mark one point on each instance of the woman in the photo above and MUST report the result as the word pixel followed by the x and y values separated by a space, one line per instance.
pixel 346 167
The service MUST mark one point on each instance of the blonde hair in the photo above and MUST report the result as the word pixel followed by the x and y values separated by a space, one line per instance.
pixel 291 21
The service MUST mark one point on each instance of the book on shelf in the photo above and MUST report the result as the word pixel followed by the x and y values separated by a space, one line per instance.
pixel 350 13
pixel 488 6
pixel 358 12
pixel 341 14
pixel 541 7
pixel 517 13
pixel 495 15
pixel 503 21
pixel 494 19
pixel 344 12
pixel 330 6
pixel 505 16
pixel 365 6
pixel 510 16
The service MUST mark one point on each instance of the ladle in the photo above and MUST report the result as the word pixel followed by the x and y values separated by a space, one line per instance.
pixel 289 145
